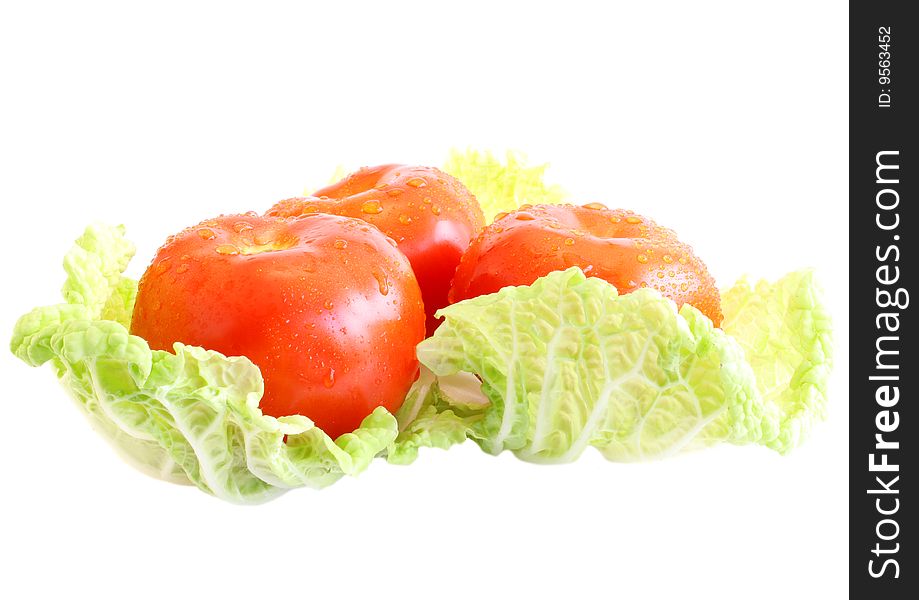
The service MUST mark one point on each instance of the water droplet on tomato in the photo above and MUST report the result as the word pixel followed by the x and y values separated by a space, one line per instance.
pixel 328 304
pixel 372 207
pixel 329 380
pixel 182 268
pixel 405 219
pixel 500 215
pixel 684 286
pixel 381 282
pixel 162 266
pixel 668 259
pixel 569 241
pixel 615 220
pixel 241 226
pixel 633 220
pixel 340 244
pixel 417 182
pixel 525 217
pixel 228 249
pixel 435 209
pixel 660 274
pixel 394 192
pixel 642 258
pixel 595 206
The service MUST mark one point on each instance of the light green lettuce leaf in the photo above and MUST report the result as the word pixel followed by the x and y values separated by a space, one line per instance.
pixel 437 413
pixel 502 186
pixel 188 416
pixel 785 332
pixel 94 266
pixel 568 363
pixel 544 371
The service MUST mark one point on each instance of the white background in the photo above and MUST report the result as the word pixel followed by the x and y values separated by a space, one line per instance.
pixel 728 124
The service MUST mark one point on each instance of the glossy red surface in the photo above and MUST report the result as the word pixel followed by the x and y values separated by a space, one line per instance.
pixel 326 306
pixel 628 250
pixel 431 216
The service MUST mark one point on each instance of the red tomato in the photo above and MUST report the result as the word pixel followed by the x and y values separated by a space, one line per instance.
pixel 628 250
pixel 326 306
pixel 431 215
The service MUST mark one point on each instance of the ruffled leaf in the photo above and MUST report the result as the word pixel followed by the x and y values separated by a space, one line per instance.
pixel 188 416
pixel 502 186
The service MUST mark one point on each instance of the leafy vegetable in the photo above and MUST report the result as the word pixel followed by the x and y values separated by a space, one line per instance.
pixel 191 416
pixel 437 413
pixel 568 363
pixel 502 187
pixel 544 370
pixel 785 332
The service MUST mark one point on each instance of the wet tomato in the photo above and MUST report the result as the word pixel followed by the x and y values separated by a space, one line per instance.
pixel 628 250
pixel 431 215
pixel 326 306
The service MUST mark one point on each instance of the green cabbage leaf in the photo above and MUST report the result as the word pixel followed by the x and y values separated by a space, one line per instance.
pixel 567 363
pixel 190 416
pixel 502 186
pixel 543 371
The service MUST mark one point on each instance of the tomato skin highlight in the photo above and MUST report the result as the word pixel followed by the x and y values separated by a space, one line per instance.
pixel 325 306
pixel 430 214
pixel 625 249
